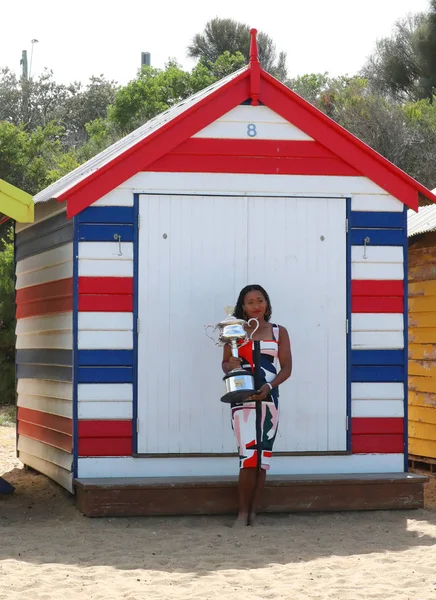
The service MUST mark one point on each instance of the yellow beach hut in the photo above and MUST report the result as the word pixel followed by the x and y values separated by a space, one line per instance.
pixel 15 204
pixel 422 338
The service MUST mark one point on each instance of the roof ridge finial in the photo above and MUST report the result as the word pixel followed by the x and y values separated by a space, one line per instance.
pixel 254 52
pixel 254 69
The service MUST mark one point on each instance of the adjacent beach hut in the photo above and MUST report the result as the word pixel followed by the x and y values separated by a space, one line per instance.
pixel 18 205
pixel 422 338
pixel 135 251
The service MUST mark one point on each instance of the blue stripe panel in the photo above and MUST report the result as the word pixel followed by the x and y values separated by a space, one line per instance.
pixel 105 375
pixel 106 214
pixel 377 374
pixel 377 357
pixel 377 237
pixel 105 358
pixel 105 233
pixel 376 219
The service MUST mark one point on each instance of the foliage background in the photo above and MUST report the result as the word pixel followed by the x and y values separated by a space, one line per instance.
pixel 47 129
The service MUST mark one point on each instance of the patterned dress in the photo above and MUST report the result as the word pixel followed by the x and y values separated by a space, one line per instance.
pixel 258 419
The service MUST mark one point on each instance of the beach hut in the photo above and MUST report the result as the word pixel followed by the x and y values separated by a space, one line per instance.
pixel 134 252
pixel 18 205
pixel 422 338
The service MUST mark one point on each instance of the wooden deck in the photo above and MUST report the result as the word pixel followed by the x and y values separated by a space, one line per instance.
pixel 218 495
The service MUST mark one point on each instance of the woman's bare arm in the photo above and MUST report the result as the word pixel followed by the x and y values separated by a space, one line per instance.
pixel 285 358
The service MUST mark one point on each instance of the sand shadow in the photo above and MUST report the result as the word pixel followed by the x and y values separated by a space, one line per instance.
pixel 40 510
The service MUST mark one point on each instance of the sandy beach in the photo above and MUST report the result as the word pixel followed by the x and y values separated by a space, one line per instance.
pixel 49 551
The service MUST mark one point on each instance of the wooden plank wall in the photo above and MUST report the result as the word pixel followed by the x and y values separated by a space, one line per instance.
pixel 105 354
pixel 422 345
pixel 44 342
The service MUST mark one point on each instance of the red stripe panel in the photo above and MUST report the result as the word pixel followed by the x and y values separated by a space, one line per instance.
pixel 106 285
pixel 45 298
pixel 383 444
pixel 376 304
pixel 105 446
pixel 253 147
pixel 256 165
pixel 37 417
pixel 48 436
pixel 377 288
pixel 45 307
pixel 105 429
pixel 382 425
pixel 54 289
pixel 108 303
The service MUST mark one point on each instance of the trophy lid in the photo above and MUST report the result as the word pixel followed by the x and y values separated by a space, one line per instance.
pixel 231 319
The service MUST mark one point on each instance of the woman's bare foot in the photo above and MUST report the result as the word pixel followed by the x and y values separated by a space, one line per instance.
pixel 241 521
pixel 251 519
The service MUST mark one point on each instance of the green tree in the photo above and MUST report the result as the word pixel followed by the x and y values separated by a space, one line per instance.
pixel 228 35
pixel 154 91
pixel 36 102
pixel 403 65
pixel 33 160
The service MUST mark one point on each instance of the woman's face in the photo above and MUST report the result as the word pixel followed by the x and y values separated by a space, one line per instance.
pixel 255 305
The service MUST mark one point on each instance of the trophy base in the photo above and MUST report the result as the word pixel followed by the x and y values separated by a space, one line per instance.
pixel 239 396
pixel 239 386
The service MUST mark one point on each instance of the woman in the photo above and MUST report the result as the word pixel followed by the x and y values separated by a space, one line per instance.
pixel 257 419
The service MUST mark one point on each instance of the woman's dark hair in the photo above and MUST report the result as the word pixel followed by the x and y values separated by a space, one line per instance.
pixel 239 311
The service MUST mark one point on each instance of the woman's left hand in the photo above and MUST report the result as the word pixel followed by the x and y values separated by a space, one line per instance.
pixel 261 394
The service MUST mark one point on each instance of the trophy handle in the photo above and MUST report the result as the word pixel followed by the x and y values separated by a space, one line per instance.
pixel 254 330
pixel 206 328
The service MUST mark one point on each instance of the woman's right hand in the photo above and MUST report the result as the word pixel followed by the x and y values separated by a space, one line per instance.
pixel 234 363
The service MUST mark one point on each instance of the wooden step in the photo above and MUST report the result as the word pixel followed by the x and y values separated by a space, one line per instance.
pixel 218 495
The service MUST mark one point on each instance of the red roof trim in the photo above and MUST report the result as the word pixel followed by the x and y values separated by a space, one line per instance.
pixel 258 84
pixel 316 124
pixel 161 141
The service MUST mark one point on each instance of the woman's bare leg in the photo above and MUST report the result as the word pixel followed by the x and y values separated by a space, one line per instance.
pixel 258 489
pixel 246 489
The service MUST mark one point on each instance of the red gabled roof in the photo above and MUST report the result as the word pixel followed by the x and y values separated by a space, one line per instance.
pixel 251 82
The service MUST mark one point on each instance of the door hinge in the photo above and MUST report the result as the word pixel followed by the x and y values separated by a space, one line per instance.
pixel 347 420
pixel 137 325
pixel 139 221
pixel 346 326
pixel 137 426
pixel 346 225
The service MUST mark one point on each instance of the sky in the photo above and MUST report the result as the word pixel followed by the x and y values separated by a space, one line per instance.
pixel 91 37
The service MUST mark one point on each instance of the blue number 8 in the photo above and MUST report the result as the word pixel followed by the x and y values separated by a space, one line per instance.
pixel 251 130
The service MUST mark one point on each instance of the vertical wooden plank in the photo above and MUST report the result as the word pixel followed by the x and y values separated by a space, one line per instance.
pixel 199 272
pixel 337 312
pixel 308 294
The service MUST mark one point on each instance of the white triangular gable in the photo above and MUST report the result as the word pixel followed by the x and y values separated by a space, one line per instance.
pixel 256 122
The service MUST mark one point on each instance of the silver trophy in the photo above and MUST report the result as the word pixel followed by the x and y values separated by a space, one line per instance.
pixel 233 331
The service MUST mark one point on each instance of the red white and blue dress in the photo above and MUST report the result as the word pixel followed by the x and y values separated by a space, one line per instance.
pixel 258 420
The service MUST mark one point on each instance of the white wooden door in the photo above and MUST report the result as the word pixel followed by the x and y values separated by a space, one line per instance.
pixel 195 254
pixel 297 252
pixel 192 263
